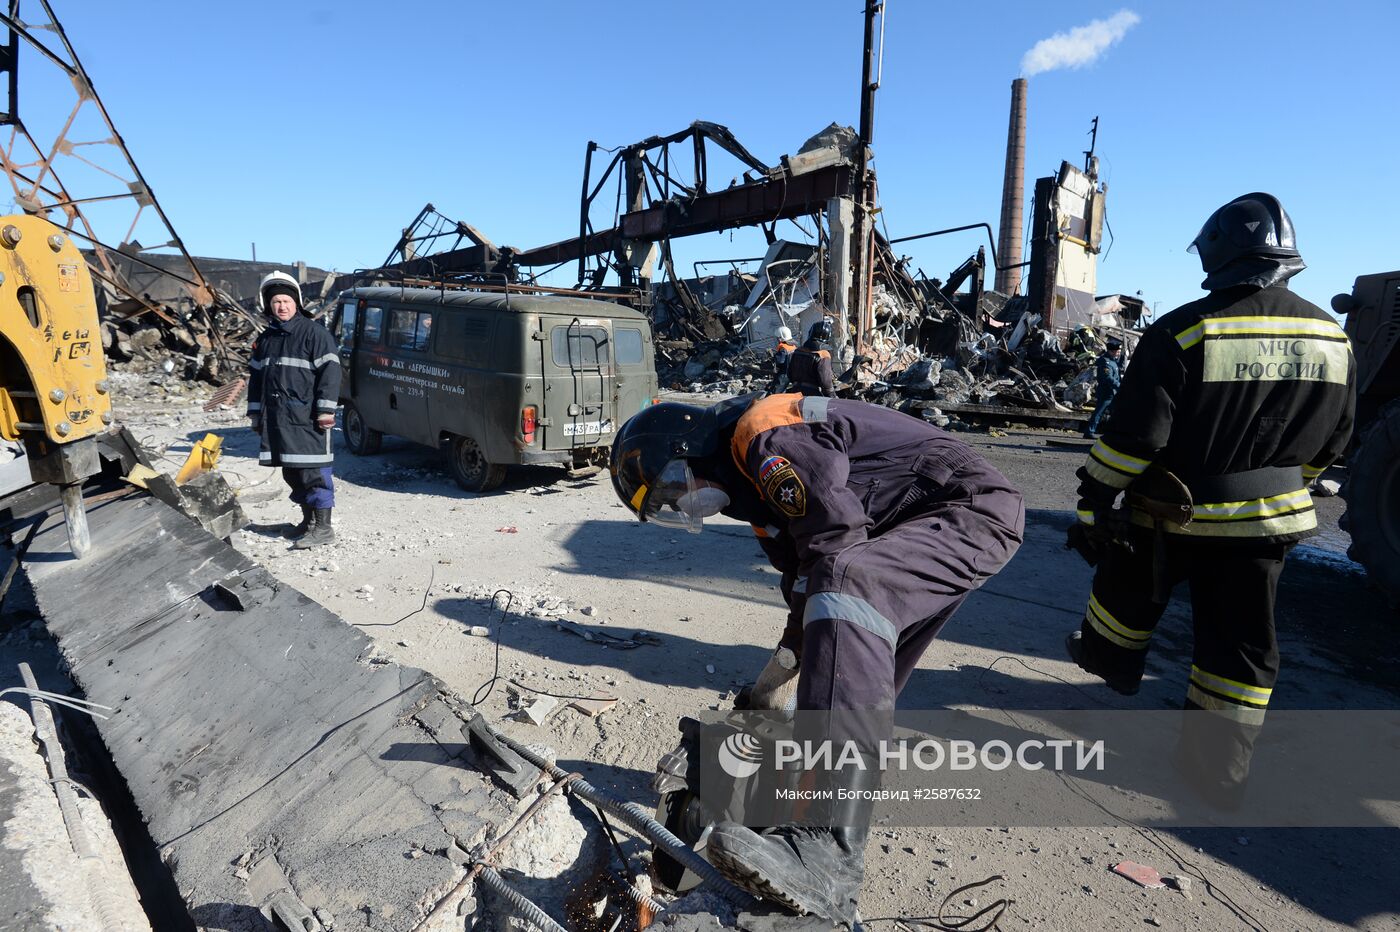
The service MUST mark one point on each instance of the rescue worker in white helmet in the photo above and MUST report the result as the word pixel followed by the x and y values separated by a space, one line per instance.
pixel 782 356
pixel 1232 405
pixel 293 390
pixel 881 526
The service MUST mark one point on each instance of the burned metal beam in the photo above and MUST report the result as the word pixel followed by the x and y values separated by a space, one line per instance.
pixel 780 198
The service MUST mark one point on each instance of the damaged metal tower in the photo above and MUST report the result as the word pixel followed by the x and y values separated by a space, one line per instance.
pixel 82 169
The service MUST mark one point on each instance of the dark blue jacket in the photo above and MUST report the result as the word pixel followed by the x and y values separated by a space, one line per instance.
pixel 1108 374
pixel 294 376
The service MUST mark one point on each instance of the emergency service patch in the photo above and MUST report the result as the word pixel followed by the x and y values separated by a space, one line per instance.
pixel 783 489
pixel 769 466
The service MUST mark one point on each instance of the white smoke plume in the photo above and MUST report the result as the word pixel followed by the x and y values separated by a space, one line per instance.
pixel 1079 47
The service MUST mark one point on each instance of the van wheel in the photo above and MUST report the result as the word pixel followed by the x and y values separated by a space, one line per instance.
pixel 470 468
pixel 360 438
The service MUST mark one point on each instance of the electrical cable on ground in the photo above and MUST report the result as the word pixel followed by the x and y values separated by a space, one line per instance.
pixel 432 575
pixel 489 686
pixel 942 922
pixel 483 692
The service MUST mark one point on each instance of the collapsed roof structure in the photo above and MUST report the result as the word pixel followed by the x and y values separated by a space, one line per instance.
pixel 996 348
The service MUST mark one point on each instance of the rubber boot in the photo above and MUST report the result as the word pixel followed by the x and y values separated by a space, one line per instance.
pixel 1124 683
pixel 320 533
pixel 807 869
pixel 308 521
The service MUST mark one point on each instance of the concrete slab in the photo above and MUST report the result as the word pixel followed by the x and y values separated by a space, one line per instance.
pixel 274 730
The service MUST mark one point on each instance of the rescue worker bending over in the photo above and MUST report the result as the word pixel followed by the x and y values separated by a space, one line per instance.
pixel 782 356
pixel 809 372
pixel 293 390
pixel 881 526
pixel 1245 396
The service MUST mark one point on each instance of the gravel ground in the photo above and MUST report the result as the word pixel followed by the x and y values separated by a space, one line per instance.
pixel 417 562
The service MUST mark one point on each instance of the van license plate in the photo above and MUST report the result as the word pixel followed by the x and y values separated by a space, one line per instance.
pixel 587 427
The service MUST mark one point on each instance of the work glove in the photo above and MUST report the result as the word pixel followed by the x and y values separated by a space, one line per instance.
pixel 776 686
pixel 255 423
pixel 1110 528
pixel 325 421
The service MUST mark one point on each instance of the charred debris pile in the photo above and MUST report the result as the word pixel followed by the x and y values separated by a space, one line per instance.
pixel 985 340
pixel 156 324
pixel 934 350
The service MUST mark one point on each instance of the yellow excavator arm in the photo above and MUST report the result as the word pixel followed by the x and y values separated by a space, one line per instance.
pixel 54 395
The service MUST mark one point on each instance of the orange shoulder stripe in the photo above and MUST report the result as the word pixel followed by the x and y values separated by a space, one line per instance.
pixel 823 354
pixel 765 414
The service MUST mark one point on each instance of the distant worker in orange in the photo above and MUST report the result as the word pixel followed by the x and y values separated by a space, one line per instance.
pixel 809 372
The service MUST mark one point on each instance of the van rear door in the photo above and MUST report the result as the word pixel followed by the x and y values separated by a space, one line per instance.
pixel 634 383
pixel 576 361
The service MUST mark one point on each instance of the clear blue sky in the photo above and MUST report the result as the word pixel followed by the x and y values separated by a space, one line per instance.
pixel 318 129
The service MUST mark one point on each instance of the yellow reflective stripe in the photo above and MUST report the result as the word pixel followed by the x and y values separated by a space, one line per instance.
pixel 1254 695
pixel 1286 503
pixel 1294 523
pixel 639 498
pixel 1085 517
pixel 1283 326
pixel 1109 477
pixel 1245 715
pixel 1248 326
pixel 1191 336
pixel 1118 460
pixel 1312 472
pixel 1096 609
pixel 1108 634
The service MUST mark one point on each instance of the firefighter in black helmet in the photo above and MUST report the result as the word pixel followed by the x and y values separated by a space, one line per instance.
pixel 881 526
pixel 1244 396
pixel 809 371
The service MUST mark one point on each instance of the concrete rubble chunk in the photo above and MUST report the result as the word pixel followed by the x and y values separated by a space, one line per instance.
pixel 539 709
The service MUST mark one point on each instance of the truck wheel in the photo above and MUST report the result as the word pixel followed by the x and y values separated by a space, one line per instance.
pixel 1372 493
pixel 360 438
pixel 470 468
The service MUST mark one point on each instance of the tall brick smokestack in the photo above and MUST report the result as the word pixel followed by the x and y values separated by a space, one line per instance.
pixel 1013 186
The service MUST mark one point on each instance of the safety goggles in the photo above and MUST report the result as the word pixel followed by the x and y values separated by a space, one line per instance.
pixel 677 499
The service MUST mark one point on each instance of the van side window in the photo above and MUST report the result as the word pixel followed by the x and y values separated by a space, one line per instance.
pixel 629 346
pixel 410 330
pixel 463 336
pixel 373 331
pixel 423 333
pixel 345 332
pixel 579 347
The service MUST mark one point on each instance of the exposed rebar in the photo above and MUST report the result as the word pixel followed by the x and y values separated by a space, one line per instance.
pixel 636 817
pixel 527 908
